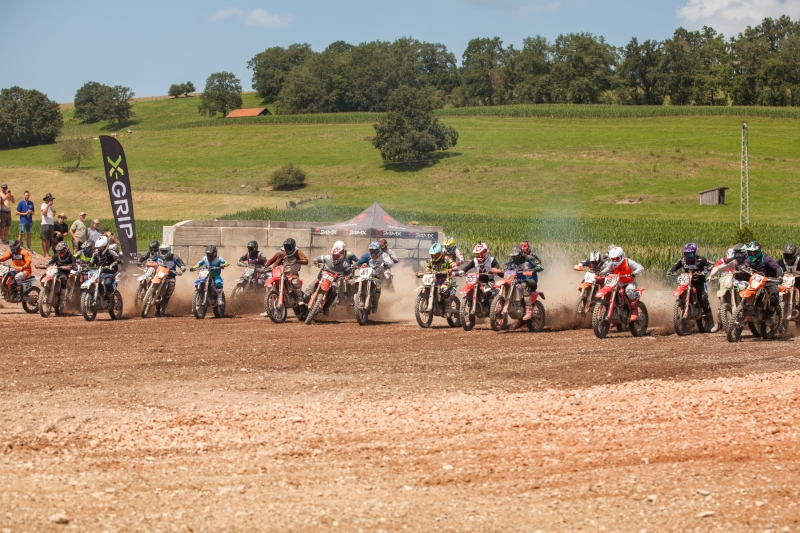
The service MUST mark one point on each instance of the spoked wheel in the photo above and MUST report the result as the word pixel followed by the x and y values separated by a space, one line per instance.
pixel 30 301
pixel 536 323
pixel 236 298
pixel 497 320
pixel 147 303
pixel 725 315
pixel 735 325
pixel 198 309
pixel 423 315
pixel 582 316
pixel 45 305
pixel 600 322
pixel 138 298
pixel 362 313
pixel 219 311
pixel 59 307
pixel 454 320
pixel 301 312
pixel 116 308
pixel 275 310
pixel 705 324
pixel 769 329
pixel 313 311
pixel 681 325
pixel 466 316
pixel 639 327
pixel 88 309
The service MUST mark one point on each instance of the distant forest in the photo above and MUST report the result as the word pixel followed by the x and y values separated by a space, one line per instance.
pixel 760 66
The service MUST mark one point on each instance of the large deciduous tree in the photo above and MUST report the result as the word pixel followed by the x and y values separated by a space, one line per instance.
pixel 640 73
pixel 223 93
pixel 271 67
pixel 583 67
pixel 485 72
pixel 28 118
pixel 95 102
pixel 409 130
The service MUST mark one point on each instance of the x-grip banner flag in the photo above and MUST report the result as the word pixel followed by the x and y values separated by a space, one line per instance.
pixel 119 190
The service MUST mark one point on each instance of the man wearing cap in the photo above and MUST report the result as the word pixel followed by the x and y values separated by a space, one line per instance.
pixel 78 231
pixel 48 214
pixel 94 233
pixel 6 201
pixel 60 229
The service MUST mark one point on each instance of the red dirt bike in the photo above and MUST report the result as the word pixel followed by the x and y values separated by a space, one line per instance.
pixel 612 307
pixel 687 309
pixel 508 303
pixel 476 300
pixel 588 288
pixel 321 294
pixel 280 297
pixel 754 309
pixel 790 298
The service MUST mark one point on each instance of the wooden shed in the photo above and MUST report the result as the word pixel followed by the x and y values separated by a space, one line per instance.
pixel 713 196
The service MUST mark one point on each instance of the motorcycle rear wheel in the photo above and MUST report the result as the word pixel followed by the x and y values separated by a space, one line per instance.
pixel 466 316
pixel 454 320
pixel 769 332
pixel 600 322
pixel 639 328
pixel 536 323
pixel 198 309
pixel 681 325
pixel 362 314
pixel 116 310
pixel 88 310
pixel 276 312
pixel 45 305
pixel 423 315
pixel 30 301
pixel 497 320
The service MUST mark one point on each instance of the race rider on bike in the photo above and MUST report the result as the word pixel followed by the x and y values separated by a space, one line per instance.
pixel 108 263
pixel 594 263
pixel 214 264
pixel 721 261
pixel 526 270
pixel 254 258
pixel 386 250
pixel 65 261
pixel 764 264
pixel 339 261
pixel 736 257
pixel 374 259
pixel 292 258
pixel 84 255
pixel 452 252
pixel 20 260
pixel 151 255
pixel 167 259
pixel 627 270
pixel 790 263
pixel 697 265
pixel 483 263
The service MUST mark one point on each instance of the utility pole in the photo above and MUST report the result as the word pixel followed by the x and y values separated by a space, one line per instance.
pixel 744 187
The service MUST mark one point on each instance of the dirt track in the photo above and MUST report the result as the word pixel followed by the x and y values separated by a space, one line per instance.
pixel 240 425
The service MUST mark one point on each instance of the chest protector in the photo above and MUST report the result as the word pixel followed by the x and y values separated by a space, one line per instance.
pixel 624 271
pixel 485 267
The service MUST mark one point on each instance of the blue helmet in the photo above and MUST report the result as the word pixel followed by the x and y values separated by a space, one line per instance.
pixel 435 251
pixel 375 249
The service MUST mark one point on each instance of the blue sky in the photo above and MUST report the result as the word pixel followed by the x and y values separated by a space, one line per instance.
pixel 57 46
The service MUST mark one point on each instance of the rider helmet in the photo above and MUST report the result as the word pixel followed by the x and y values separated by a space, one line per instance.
pixel 154 244
pixel 790 253
pixel 384 244
pixel 289 246
pixel 517 255
pixel 164 250
pixel 594 258
pixel 62 250
pixel 14 245
pixel 481 253
pixel 616 255
pixel 337 252
pixel 252 248
pixel 526 247
pixel 690 252
pixel 101 243
pixel 436 252
pixel 755 253
pixel 88 248
pixel 740 252
pixel 450 244
pixel 729 253
pixel 211 253
pixel 374 249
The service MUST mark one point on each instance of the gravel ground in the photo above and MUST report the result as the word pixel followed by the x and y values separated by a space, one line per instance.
pixel 241 425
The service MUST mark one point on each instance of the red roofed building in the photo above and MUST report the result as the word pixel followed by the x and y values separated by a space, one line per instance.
pixel 253 112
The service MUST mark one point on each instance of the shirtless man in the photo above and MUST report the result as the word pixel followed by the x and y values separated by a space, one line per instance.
pixel 6 201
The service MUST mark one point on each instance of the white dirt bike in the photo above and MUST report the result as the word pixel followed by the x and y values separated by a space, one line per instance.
pixel 93 296
pixel 436 299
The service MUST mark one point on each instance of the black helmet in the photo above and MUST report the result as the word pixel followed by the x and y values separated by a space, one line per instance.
pixel 211 252
pixel 62 249
pixel 517 255
pixel 154 244
pixel 790 253
pixel 14 245
pixel 289 246
pixel 252 247
pixel 740 252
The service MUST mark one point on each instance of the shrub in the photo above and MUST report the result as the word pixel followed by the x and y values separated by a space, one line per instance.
pixel 288 178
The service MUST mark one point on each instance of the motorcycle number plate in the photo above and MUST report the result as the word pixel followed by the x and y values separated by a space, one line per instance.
pixel 756 280
pixel 93 275
pixel 249 271
pixel 611 281
pixel 203 274
pixel 162 274
pixel 788 280
pixel 684 279
pixel 365 273
pixel 328 277
pixel 52 271
pixel 589 277
pixel 726 281
pixel 149 271
pixel 4 269
pixel 428 279
pixel 472 278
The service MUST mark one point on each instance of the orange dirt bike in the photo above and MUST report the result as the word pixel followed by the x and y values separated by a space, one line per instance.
pixel 53 298
pixel 790 297
pixel 280 297
pixel 686 309
pixel 156 290
pixel 612 307
pixel 588 288
pixel 436 299
pixel 15 293
pixel 322 293
pixel 509 303
pixel 754 309
pixel 476 300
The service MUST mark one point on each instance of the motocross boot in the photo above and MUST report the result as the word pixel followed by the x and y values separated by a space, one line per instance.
pixel 528 308
pixel 634 310
pixel 300 296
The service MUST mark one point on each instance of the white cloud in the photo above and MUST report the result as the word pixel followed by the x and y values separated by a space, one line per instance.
pixel 733 16
pixel 223 14
pixel 521 7
pixel 260 17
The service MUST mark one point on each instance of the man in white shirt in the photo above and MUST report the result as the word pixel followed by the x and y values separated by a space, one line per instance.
pixel 48 213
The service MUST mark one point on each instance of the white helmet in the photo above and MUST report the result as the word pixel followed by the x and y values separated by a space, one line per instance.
pixel 729 254
pixel 164 250
pixel 616 255
pixel 101 243
pixel 337 252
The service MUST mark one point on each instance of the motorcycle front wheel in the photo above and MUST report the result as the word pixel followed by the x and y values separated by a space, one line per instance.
pixel 466 316
pixel 45 305
pixel 138 298
pixel 639 328
pixel 147 303
pixel 725 315
pixel 198 309
pixel 362 313
pixel 497 320
pixel 30 301
pixel 274 309
pixel 236 295
pixel 423 315
pixel 600 322
pixel 582 316
pixel 536 323
pixel 313 311
pixel 219 311
pixel 680 324
pixel 734 332
pixel 454 320
pixel 116 310
pixel 88 310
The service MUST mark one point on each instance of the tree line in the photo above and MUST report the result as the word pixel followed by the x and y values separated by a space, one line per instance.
pixel 760 66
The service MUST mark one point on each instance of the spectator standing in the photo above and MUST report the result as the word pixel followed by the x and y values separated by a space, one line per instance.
pixel 46 229
pixel 60 229
pixel 78 232
pixel 94 232
pixel 6 201
pixel 25 212
pixel 111 237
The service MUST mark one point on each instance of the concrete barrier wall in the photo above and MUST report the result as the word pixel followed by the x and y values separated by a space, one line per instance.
pixel 190 238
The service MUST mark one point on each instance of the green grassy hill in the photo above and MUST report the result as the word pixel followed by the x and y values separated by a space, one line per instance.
pixel 629 169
